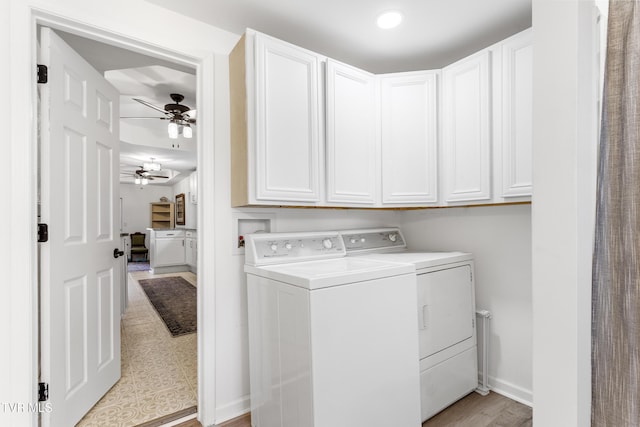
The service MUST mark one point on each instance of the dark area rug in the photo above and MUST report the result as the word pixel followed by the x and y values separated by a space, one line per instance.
pixel 138 266
pixel 175 300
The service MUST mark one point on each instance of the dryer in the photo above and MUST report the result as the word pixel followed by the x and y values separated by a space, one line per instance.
pixel 446 313
pixel 332 339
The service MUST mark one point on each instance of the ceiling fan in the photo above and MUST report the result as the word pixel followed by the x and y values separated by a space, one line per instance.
pixel 180 116
pixel 143 176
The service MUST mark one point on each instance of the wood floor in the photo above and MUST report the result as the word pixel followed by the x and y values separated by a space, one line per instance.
pixel 474 410
pixel 483 411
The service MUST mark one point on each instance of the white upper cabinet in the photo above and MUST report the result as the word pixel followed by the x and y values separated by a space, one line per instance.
pixel 409 137
pixel 351 148
pixel 517 100
pixel 276 126
pixel 311 131
pixel 193 187
pixel 466 142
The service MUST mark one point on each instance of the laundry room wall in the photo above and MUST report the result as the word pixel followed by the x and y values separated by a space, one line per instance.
pixel 500 239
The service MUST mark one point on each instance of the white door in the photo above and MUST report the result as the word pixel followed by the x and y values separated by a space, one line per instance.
pixel 409 126
pixel 517 131
pixel 352 152
pixel 445 308
pixel 466 140
pixel 287 122
pixel 80 282
pixel 169 251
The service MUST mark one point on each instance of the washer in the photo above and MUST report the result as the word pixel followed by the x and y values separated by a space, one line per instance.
pixel 446 313
pixel 332 339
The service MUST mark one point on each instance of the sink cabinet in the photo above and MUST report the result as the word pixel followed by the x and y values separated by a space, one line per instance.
pixel 167 251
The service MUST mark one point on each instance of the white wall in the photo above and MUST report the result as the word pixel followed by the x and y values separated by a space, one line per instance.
pixel 136 214
pixel 500 239
pixel 7 357
pixel 564 151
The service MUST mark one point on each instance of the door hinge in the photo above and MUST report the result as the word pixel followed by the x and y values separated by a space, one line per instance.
pixel 43 392
pixel 43 233
pixel 43 74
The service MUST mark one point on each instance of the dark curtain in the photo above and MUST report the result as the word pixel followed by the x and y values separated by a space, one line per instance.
pixel 616 266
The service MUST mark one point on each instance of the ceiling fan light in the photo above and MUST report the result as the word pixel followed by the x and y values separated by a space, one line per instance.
pixel 152 166
pixel 172 128
pixel 137 180
pixel 145 181
pixel 187 132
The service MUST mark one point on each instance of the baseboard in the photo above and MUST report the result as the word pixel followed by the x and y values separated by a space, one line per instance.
pixel 511 391
pixel 233 410
pixel 169 269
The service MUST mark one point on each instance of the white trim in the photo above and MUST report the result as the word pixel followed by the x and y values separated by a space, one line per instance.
pixel 234 409
pixel 511 391
pixel 21 265
pixel 207 412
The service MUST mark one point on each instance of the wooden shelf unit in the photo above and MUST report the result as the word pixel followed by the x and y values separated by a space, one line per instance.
pixel 162 215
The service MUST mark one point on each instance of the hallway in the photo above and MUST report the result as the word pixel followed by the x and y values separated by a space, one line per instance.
pixel 159 372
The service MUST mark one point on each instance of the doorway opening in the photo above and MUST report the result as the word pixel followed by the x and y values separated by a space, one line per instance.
pixel 146 364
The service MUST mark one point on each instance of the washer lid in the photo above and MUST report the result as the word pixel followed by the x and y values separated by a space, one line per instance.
pixel 332 272
pixel 421 259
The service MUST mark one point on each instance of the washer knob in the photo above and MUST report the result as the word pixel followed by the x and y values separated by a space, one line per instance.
pixel 393 237
pixel 274 247
pixel 287 246
pixel 327 243
pixel 354 240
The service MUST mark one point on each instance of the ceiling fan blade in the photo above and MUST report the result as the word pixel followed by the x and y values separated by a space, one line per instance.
pixel 161 118
pixel 150 105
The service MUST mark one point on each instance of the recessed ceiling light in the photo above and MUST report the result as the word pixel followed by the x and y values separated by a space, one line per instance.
pixel 390 19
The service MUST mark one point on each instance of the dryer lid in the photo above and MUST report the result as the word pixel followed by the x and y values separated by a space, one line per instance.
pixel 422 259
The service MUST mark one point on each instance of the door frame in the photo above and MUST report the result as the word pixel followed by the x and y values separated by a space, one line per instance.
pixel 23 359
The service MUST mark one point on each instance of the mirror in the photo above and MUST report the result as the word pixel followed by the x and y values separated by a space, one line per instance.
pixel 180 209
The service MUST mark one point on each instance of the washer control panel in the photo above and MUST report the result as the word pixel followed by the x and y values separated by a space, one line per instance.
pixel 373 239
pixel 275 248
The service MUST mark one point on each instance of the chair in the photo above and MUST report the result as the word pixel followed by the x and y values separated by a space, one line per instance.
pixel 137 246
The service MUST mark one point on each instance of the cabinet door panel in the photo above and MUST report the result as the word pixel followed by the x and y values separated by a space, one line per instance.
pixel 287 122
pixel 189 252
pixel 169 252
pixel 409 138
pixel 351 144
pixel 467 129
pixel 517 95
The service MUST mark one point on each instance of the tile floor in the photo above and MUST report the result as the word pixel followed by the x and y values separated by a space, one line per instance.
pixel 159 372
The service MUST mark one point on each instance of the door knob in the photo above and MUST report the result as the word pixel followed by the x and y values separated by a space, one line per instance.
pixel 117 253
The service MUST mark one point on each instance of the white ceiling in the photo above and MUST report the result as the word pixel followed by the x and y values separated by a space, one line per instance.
pixel 434 33
pixel 143 132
